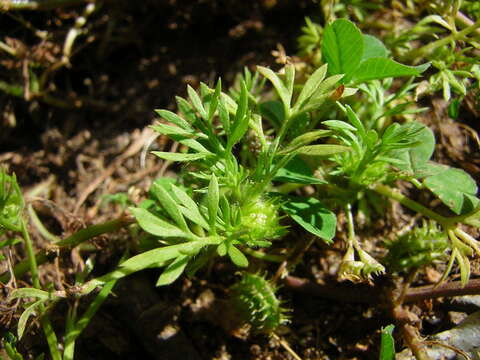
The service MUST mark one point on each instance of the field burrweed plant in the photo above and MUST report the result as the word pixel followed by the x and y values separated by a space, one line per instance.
pixel 245 158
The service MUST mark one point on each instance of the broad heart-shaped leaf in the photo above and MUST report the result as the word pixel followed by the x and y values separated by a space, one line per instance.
pixel 455 188
pixel 342 47
pixel 387 345
pixel 415 158
pixel 156 226
pixel 297 171
pixel 373 47
pixel 381 68
pixel 311 215
pixel 173 270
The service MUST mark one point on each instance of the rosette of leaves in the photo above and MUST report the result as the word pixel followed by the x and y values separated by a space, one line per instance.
pixel 372 153
pixel 255 300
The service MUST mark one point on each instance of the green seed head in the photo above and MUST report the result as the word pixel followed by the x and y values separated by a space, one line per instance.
pixel 417 248
pixel 254 299
pixel 262 221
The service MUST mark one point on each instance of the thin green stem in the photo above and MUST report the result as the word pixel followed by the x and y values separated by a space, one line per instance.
pixel 350 225
pixel 77 238
pixel 82 323
pixel 44 320
pixel 429 48
pixel 396 195
pixel 32 261
pixel 40 227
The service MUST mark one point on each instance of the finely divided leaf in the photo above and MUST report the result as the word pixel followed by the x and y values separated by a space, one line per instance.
pixel 180 156
pixel 242 118
pixel 342 47
pixel 311 85
pixel 173 270
pixel 190 208
pixel 312 216
pixel 174 119
pixel 278 84
pixel 156 226
pixel 303 140
pixel 157 257
pixel 213 197
pixel 173 130
pixel 322 150
pixel 237 256
pixel 196 102
pixel 170 206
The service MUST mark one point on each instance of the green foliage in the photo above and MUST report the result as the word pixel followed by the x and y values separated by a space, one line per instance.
pixel 312 215
pixel 360 57
pixel 11 203
pixel 9 344
pixel 255 300
pixel 247 154
pixel 387 346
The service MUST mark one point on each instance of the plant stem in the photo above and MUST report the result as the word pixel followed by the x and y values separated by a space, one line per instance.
pixel 45 321
pixel 82 323
pixel 73 240
pixel 414 343
pixel 32 261
pixel 371 295
pixel 425 50
pixel 411 204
